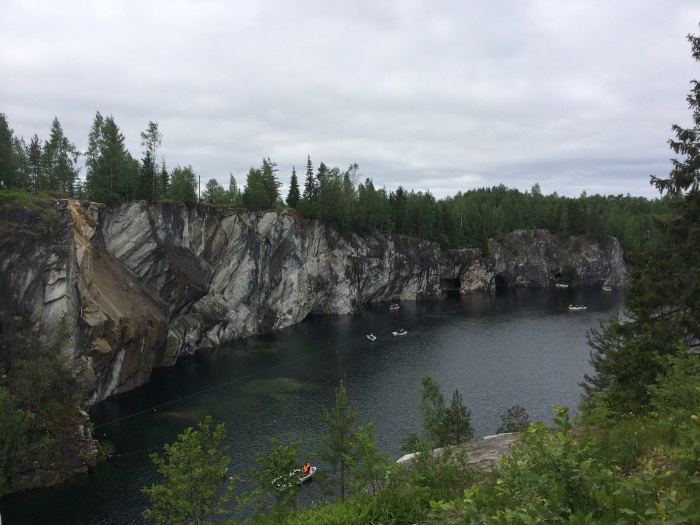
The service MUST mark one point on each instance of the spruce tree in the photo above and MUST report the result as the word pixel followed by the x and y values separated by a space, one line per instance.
pixel 338 442
pixel 662 305
pixel 293 194
pixel 33 155
pixel 146 188
pixel 308 205
pixel 8 159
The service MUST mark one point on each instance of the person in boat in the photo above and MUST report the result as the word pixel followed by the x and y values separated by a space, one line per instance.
pixel 307 467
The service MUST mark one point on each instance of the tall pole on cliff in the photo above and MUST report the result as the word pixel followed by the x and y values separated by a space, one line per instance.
pixel 199 189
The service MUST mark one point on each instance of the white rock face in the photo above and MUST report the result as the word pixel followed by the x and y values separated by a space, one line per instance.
pixel 143 284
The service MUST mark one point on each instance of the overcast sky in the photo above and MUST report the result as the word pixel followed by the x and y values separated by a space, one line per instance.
pixel 433 95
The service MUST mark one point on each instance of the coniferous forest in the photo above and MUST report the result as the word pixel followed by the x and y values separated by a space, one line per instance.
pixel 469 218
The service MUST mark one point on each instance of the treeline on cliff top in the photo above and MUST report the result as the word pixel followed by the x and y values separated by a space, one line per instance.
pixel 470 218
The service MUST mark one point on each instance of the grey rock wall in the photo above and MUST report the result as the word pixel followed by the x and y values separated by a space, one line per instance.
pixel 143 284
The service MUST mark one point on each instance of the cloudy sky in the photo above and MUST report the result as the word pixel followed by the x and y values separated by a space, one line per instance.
pixel 439 95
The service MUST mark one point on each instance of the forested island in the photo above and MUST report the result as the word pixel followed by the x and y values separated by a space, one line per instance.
pixel 633 456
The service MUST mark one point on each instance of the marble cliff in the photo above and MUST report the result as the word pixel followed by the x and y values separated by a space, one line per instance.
pixel 142 285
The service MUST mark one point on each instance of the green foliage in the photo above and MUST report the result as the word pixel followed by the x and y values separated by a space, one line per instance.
pixel 51 220
pixel 442 472
pixel 262 187
pixel 214 192
pixel 553 469
pixel 469 218
pixel 18 197
pixel 38 396
pixel 10 162
pixel 233 194
pixel 58 162
pixel 552 477
pixel 662 304
pixel 183 185
pixel 338 440
pixel 254 197
pixel 195 484
pixel 516 419
pixel 442 425
pixel 146 186
pixel 272 484
pixel 293 195
pixel 432 409
pixel 456 424
pixel 16 425
pixel 366 465
pixel 112 173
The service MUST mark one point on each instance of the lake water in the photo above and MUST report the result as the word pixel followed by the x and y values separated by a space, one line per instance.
pixel 517 347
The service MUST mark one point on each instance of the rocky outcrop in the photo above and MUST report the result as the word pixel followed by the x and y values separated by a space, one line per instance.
pixel 75 454
pixel 535 258
pixel 482 454
pixel 142 284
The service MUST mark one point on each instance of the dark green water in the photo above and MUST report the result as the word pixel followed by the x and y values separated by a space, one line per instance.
pixel 519 347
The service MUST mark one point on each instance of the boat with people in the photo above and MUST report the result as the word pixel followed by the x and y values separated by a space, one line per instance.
pixel 577 308
pixel 371 337
pixel 400 331
pixel 607 288
pixel 394 306
pixel 298 476
pixel 307 475
pixel 561 285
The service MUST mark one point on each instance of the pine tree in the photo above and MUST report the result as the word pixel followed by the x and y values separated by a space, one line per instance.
pixel 9 168
pixel 34 171
pixel 293 194
pixel 308 205
pixel 456 427
pixel 338 442
pixel 146 188
pixel 662 304
pixel 163 181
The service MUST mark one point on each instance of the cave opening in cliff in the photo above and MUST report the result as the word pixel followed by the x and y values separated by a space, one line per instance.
pixel 500 283
pixel 450 285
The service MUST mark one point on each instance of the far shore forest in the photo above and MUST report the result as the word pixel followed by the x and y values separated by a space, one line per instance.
pixel 112 176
